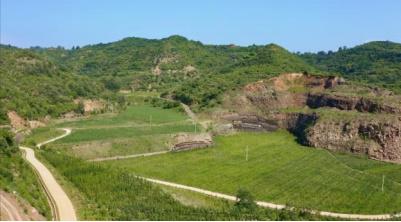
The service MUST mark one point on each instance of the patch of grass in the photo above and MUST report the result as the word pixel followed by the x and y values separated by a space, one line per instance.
pixel 278 170
pixel 143 114
pixel 391 171
pixel 190 198
pixel 115 194
pixel 42 134
pixel 117 147
pixel 82 135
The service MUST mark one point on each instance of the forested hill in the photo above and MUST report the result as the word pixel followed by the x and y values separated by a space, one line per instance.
pixel 35 87
pixel 41 81
pixel 186 70
pixel 45 81
pixel 377 63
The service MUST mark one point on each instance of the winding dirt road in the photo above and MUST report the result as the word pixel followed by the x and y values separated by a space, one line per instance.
pixel 64 207
pixel 66 133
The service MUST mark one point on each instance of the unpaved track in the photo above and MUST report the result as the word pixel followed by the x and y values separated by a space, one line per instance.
pixel 128 156
pixel 66 133
pixel 64 207
pixel 272 205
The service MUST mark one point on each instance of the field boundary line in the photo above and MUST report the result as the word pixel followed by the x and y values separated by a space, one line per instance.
pixel 128 156
pixel 359 171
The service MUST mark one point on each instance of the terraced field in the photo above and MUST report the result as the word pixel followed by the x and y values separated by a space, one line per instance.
pixel 138 129
pixel 280 171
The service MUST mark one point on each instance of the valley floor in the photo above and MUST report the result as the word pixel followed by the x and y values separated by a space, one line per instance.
pixel 272 166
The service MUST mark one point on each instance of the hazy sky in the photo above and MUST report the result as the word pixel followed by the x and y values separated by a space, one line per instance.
pixel 309 25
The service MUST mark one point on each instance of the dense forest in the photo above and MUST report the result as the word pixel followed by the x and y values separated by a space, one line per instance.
pixel 35 87
pixel 45 81
pixel 377 63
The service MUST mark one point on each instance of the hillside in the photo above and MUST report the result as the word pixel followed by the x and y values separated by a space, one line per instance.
pixel 377 63
pixel 182 69
pixel 322 111
pixel 34 86
pixel 46 81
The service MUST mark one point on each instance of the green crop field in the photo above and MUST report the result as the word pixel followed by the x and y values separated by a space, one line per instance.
pixel 126 133
pixel 281 171
pixel 139 114
pixel 42 134
pixel 81 135
pixel 115 194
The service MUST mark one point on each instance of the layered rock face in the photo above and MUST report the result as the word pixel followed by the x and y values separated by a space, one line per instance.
pixel 360 104
pixel 184 141
pixel 379 140
pixel 326 112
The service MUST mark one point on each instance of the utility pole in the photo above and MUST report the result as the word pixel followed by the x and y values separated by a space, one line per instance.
pixel 246 155
pixel 383 184
pixel 150 121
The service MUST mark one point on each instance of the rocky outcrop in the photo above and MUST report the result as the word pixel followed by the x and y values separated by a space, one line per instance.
pixel 349 103
pixel 377 139
pixel 90 106
pixel 252 123
pixel 323 112
pixel 184 141
pixel 16 121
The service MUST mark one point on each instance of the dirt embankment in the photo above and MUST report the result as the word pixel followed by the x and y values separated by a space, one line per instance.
pixel 18 123
pixel 15 209
pixel 185 141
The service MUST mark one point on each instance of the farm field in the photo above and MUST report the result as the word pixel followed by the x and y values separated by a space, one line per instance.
pixel 115 194
pixel 42 134
pixel 142 114
pixel 129 132
pixel 281 171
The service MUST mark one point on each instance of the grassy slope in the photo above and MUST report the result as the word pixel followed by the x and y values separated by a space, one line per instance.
pixel 140 114
pixel 278 170
pixel 125 133
pixel 42 134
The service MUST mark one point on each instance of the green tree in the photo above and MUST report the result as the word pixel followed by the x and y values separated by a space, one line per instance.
pixel 245 201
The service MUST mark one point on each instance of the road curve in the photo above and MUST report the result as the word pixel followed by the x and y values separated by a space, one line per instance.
pixel 64 207
pixel 272 205
pixel 66 133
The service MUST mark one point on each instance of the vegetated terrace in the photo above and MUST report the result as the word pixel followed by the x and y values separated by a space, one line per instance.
pixel 281 171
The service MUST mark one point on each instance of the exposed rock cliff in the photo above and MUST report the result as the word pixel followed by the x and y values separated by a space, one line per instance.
pixel 324 112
